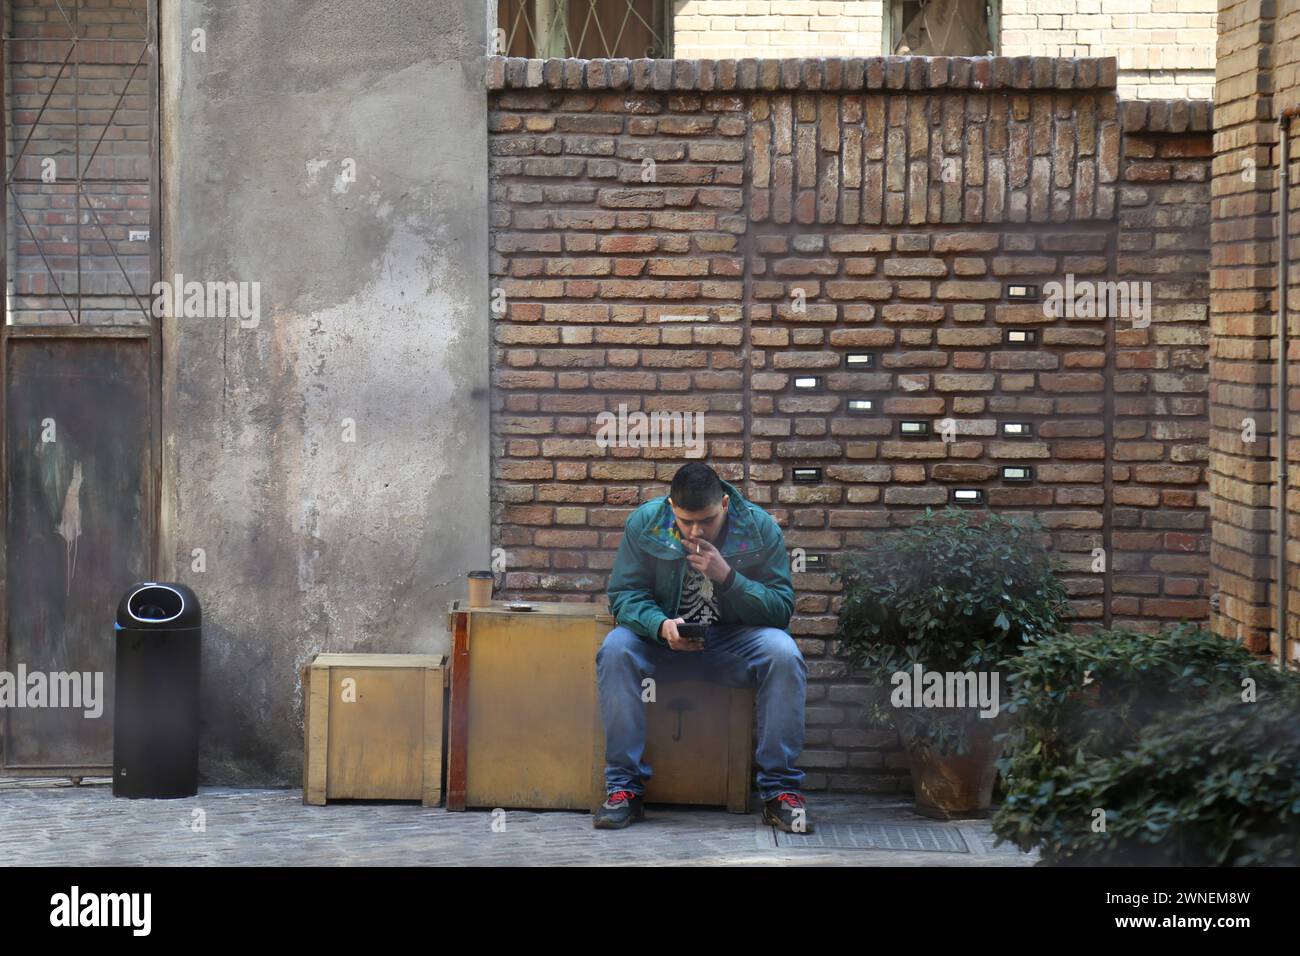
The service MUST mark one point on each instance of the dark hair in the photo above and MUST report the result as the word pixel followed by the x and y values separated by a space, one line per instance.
pixel 695 487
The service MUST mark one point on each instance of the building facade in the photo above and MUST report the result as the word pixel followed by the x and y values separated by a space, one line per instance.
pixel 756 233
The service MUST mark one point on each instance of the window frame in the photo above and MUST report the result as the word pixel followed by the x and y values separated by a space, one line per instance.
pixel 545 24
pixel 892 24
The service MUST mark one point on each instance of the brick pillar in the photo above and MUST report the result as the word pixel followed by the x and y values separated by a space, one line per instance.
pixel 1160 450
pixel 1242 307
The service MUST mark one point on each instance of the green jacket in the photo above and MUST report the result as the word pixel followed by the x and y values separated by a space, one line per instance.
pixel 645 584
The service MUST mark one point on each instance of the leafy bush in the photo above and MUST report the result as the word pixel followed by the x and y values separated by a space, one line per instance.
pixel 952 592
pixel 1153 730
pixel 1091 694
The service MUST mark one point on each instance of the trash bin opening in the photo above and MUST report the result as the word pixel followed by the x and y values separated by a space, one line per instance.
pixel 155 602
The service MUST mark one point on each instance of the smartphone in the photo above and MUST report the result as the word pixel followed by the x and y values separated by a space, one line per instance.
pixel 693 632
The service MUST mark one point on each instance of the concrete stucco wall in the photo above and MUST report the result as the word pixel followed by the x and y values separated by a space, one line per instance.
pixel 373 298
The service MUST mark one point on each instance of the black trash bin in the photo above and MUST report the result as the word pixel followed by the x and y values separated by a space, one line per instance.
pixel 156 692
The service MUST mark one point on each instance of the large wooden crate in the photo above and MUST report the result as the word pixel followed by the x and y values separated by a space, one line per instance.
pixel 524 718
pixel 379 737
pixel 524 724
pixel 700 744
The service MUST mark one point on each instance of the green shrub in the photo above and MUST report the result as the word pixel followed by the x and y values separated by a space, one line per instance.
pixel 1076 695
pixel 1153 730
pixel 955 591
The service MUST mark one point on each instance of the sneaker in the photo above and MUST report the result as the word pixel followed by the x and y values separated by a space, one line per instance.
pixel 788 812
pixel 622 808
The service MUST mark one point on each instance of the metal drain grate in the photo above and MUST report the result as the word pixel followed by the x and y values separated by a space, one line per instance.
pixel 876 836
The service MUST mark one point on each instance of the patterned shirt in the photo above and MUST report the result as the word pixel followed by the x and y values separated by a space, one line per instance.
pixel 699 604
pixel 699 599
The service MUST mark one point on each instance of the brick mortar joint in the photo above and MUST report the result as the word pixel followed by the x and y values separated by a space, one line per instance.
pixel 914 73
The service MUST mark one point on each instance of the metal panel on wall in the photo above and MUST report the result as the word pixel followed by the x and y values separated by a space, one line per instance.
pixel 80 355
pixel 80 525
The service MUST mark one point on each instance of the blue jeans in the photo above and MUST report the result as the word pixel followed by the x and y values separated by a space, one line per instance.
pixel 765 657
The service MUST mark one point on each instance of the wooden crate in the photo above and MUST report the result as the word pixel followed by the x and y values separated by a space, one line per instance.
pixel 384 745
pixel 700 744
pixel 524 721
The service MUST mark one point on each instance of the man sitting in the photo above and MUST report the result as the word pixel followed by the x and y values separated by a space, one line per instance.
pixel 702 555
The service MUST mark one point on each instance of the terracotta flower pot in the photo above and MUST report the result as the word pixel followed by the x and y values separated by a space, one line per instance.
pixel 951 786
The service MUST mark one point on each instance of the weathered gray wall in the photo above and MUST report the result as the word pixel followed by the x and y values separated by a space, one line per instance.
pixel 374 308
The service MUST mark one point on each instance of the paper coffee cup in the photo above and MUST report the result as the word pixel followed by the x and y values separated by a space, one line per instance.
pixel 480 588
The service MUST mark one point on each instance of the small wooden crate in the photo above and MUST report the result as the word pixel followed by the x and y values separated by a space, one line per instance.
pixel 700 744
pixel 379 737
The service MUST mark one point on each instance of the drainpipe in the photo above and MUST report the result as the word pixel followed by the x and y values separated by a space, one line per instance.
pixel 1283 261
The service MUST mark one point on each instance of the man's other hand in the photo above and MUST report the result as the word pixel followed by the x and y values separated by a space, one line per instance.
pixel 705 558
pixel 668 631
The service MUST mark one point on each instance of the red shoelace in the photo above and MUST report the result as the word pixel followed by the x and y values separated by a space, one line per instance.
pixel 791 799
pixel 620 794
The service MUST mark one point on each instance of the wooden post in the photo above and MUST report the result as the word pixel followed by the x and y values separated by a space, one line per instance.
pixel 458 727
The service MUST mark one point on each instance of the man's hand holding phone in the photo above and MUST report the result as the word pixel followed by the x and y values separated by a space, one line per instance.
pixel 670 633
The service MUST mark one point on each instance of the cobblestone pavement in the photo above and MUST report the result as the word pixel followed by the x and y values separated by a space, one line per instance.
pixel 47 823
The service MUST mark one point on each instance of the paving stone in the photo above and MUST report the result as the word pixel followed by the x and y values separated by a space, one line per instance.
pixel 54 823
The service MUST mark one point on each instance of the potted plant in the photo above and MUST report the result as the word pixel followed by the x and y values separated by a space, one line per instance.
pixel 932 612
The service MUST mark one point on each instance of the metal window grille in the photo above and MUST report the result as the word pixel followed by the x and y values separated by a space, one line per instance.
pixel 80 224
pixel 590 29
pixel 942 27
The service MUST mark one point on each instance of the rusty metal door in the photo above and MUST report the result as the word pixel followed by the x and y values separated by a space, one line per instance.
pixel 80 359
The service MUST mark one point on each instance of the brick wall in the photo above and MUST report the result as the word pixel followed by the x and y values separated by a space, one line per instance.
pixel 42 242
pixel 1258 72
pixel 1164 48
pixel 1286 88
pixel 802 211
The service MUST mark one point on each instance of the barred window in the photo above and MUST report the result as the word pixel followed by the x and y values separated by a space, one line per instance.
pixel 591 29
pixel 941 27
pixel 79 242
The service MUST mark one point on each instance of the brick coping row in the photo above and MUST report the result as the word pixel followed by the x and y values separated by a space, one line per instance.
pixel 809 74
pixel 1168 116
pixel 870 73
